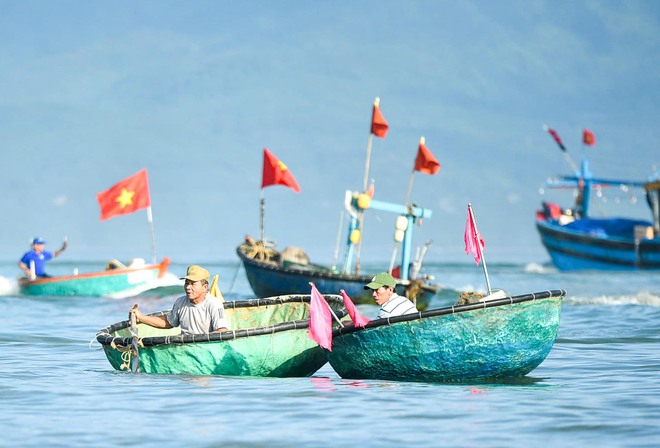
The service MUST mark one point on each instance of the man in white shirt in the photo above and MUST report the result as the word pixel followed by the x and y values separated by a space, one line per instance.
pixel 384 294
pixel 198 312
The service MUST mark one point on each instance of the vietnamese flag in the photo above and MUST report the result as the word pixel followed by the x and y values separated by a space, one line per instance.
pixel 276 173
pixel 128 196
pixel 425 162
pixel 320 320
pixel 379 126
pixel 588 138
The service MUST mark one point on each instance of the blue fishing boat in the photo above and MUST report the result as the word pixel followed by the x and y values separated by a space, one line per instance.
pixel 271 272
pixel 577 241
pixel 497 337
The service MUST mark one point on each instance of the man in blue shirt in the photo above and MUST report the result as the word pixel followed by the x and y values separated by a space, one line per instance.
pixel 33 262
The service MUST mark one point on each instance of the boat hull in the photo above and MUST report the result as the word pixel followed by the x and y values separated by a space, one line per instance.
pixel 268 279
pixel 571 250
pixel 104 283
pixel 502 338
pixel 268 339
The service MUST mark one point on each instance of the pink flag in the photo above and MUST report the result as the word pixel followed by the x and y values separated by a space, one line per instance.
pixel 474 244
pixel 358 319
pixel 320 320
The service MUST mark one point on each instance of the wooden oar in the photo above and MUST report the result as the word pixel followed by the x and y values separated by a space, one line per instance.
pixel 135 359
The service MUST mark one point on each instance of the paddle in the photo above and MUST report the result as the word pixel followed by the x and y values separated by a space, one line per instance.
pixel 135 359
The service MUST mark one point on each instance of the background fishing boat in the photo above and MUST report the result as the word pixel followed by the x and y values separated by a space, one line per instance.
pixel 490 339
pixel 116 281
pixel 273 272
pixel 577 241
pixel 268 338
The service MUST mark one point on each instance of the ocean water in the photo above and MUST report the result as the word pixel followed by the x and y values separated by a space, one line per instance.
pixel 600 385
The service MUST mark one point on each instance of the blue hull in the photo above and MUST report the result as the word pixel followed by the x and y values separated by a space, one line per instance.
pixel 267 280
pixel 572 249
pixel 498 339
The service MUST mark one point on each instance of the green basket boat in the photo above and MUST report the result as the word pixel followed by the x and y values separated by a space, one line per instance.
pixel 493 339
pixel 116 281
pixel 268 339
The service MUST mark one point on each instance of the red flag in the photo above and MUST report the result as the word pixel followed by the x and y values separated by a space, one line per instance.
pixel 358 319
pixel 588 138
pixel 128 196
pixel 474 244
pixel 320 320
pixel 425 162
pixel 379 126
pixel 276 173
pixel 556 137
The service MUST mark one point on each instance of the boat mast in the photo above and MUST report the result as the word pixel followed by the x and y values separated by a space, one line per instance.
pixel 410 213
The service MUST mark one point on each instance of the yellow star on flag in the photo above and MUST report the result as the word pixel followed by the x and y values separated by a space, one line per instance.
pixel 125 198
pixel 281 166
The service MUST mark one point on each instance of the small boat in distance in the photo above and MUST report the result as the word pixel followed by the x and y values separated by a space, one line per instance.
pixel 577 241
pixel 494 338
pixel 116 281
pixel 268 338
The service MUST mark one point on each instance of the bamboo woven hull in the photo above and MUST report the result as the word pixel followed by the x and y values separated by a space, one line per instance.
pixel 269 340
pixel 103 283
pixel 509 338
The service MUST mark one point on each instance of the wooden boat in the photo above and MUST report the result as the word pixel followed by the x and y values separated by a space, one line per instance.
pixel 490 339
pixel 116 281
pixel 268 338
pixel 576 241
pixel 271 272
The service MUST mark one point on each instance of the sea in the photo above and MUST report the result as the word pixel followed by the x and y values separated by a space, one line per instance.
pixel 599 386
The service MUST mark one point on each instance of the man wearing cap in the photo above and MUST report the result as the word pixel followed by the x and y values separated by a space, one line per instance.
pixel 198 312
pixel 384 294
pixel 35 260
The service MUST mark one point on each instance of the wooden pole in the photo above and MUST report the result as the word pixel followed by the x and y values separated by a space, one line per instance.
pixel 261 218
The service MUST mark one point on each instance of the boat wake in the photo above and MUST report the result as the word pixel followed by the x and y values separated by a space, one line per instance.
pixel 8 286
pixel 537 268
pixel 644 298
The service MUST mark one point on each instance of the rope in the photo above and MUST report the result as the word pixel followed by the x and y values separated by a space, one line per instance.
pixel 127 353
pixel 256 250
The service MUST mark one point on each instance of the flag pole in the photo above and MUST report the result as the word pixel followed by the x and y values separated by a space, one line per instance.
pixel 336 252
pixel 410 185
pixel 150 219
pixel 261 217
pixel 328 305
pixel 364 189
pixel 567 157
pixel 479 248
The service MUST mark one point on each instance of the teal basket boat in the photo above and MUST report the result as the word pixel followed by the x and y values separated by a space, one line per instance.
pixel 492 339
pixel 268 339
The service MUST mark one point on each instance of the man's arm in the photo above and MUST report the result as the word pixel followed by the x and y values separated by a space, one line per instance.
pixel 153 321
pixel 61 249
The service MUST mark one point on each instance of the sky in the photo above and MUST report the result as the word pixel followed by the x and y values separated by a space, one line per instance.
pixel 93 92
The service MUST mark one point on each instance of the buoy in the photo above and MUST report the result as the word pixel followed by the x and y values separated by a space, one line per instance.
pixel 355 236
pixel 363 201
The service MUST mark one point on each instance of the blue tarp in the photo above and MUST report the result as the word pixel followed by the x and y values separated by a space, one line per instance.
pixel 612 227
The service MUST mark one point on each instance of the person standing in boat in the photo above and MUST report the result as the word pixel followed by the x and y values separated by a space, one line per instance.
pixel 198 312
pixel 33 262
pixel 384 294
